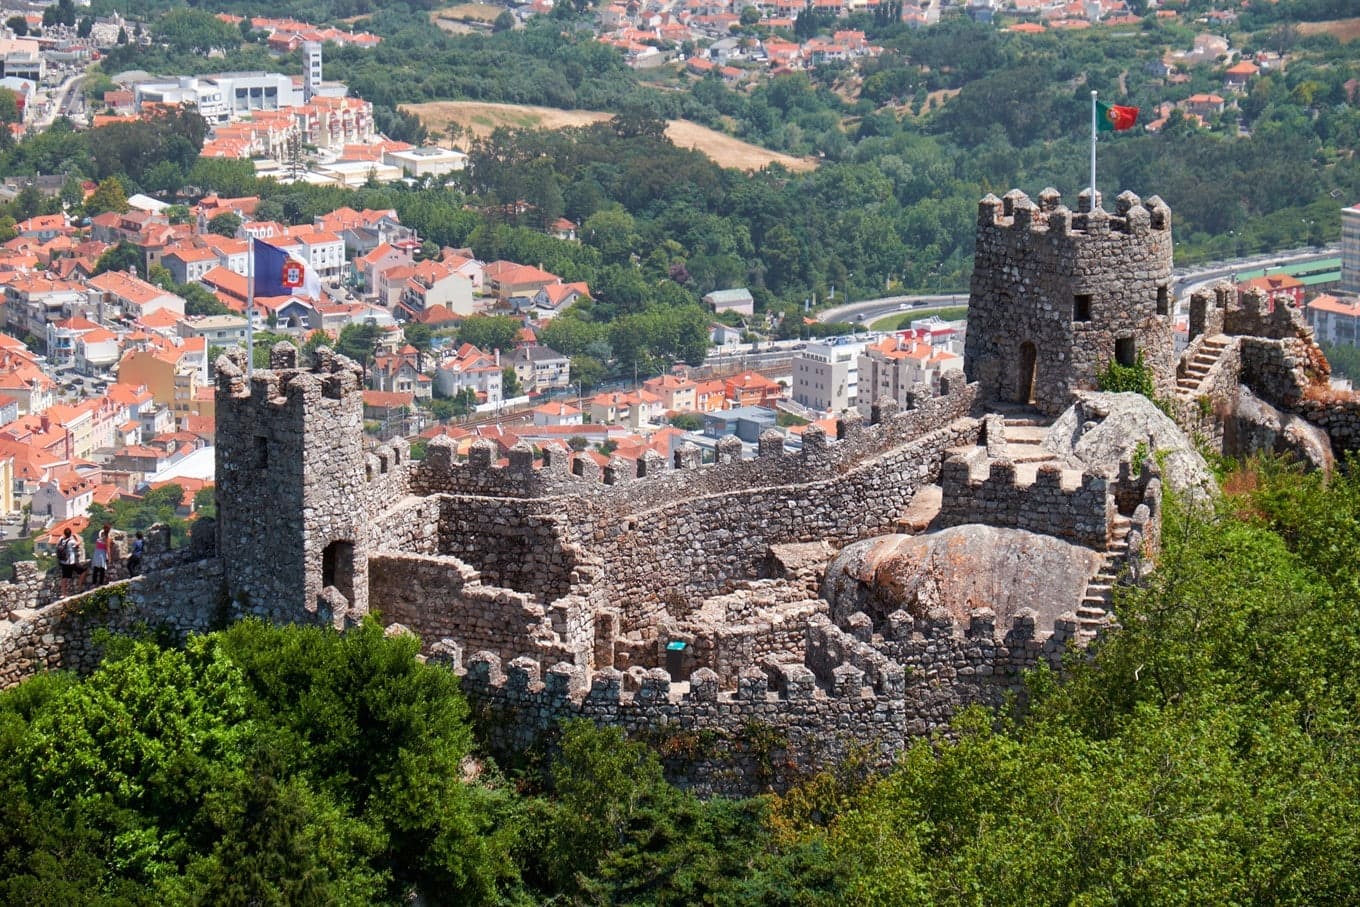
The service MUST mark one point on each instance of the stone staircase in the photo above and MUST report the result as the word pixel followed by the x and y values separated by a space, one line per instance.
pixel 1096 604
pixel 1210 351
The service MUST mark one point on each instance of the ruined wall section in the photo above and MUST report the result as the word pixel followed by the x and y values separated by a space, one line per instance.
pixel 1082 511
pixel 1056 290
pixel 438 597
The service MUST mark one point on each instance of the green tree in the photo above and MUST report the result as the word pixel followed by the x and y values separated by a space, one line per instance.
pixel 109 196
pixel 510 383
pixel 489 332
pixel 195 31
pixel 225 224
pixel 587 371
pixel 124 256
pixel 9 106
pixel 18 25
pixel 359 341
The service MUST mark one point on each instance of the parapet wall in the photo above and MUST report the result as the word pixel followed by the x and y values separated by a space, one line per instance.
pixel 1081 513
pixel 652 481
pixel 782 720
pixel 178 599
pixel 705 545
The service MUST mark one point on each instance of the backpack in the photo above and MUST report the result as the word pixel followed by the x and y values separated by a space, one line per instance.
pixel 66 550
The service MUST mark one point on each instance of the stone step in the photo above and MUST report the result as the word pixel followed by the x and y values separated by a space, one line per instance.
pixel 1026 434
pixel 923 508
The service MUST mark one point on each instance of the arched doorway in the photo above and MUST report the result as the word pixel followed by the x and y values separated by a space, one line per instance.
pixel 337 568
pixel 1024 388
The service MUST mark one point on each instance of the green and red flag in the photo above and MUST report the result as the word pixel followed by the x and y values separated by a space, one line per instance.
pixel 1114 118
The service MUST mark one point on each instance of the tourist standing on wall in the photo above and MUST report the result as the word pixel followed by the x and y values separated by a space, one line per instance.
pixel 68 557
pixel 100 563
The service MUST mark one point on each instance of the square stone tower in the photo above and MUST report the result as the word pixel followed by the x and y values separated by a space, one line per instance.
pixel 1056 295
pixel 291 475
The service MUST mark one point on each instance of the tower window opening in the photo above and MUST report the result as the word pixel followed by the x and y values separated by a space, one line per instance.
pixel 1081 307
pixel 261 452
pixel 1163 300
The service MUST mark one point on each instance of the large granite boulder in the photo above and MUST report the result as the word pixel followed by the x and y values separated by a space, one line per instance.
pixel 960 568
pixel 1101 431
pixel 1261 428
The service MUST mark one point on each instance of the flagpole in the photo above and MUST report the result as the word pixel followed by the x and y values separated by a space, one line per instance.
pixel 250 305
pixel 1093 149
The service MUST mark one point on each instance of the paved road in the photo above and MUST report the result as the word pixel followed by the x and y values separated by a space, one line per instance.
pixel 870 310
pixel 60 101
pixel 1187 280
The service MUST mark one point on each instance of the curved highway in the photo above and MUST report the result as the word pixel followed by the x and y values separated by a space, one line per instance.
pixel 1187 280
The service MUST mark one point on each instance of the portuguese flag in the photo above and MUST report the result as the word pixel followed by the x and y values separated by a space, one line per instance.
pixel 1113 118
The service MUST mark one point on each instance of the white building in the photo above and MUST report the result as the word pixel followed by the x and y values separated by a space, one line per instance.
pixel 221 98
pixel 1335 321
pixel 826 374
pixel 1350 249
pixel 429 161
pixel 21 58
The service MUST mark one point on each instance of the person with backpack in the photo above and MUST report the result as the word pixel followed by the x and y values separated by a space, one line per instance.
pixel 135 557
pixel 68 558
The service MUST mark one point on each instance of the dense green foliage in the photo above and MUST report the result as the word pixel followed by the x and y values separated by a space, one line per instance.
pixel 1206 755
pixel 211 774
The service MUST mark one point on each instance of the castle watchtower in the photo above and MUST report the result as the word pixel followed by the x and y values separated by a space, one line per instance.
pixel 1056 295
pixel 291 471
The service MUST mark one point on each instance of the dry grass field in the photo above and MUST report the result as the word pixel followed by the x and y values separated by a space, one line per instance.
pixel 1345 30
pixel 479 12
pixel 481 119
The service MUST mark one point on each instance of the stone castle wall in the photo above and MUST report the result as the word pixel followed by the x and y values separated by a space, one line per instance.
pixel 1053 292
pixel 784 719
pixel 1082 513
pixel 60 636
pixel 442 596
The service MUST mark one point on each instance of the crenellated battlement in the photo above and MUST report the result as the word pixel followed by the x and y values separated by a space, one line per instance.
pixel 331 376
pixel 651 481
pixel 1065 503
pixel 1015 211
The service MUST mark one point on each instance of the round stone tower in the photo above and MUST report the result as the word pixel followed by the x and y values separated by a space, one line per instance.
pixel 1057 295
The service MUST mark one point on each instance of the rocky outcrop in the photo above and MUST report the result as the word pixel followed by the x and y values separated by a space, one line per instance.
pixel 1100 431
pixel 1261 428
pixel 960 569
